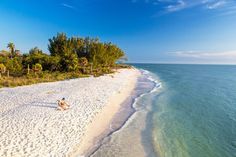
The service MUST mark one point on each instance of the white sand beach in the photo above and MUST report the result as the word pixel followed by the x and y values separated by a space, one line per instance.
pixel 31 126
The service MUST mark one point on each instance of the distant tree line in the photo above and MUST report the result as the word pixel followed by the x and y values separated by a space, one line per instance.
pixel 72 54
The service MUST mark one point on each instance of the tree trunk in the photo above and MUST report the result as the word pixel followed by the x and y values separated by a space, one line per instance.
pixel 91 69
pixel 28 70
pixel 83 70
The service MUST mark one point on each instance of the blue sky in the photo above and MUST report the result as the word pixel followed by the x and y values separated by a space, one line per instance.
pixel 157 31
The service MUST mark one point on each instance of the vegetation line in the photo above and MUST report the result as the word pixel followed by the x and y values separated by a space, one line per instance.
pixel 69 58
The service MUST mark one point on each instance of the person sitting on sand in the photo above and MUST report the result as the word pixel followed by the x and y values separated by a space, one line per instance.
pixel 62 105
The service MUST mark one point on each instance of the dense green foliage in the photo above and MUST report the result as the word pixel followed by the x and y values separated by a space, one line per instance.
pixel 67 55
pixel 72 49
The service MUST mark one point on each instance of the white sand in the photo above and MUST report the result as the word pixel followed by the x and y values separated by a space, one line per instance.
pixel 31 125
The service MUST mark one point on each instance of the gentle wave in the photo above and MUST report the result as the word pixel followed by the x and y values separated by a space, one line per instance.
pixel 149 77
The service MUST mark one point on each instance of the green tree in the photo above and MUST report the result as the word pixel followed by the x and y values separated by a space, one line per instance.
pixel 113 54
pixel 14 65
pixel 69 60
pixel 65 49
pixel 97 53
pixel 57 44
pixel 52 63
pixel 11 47
pixel 35 50
pixel 70 49
pixel 105 54
pixel 78 44
pixel 36 55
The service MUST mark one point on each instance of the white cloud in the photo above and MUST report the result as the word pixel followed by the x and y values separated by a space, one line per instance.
pixel 216 5
pixel 205 55
pixel 179 6
pixel 67 6
pixel 201 57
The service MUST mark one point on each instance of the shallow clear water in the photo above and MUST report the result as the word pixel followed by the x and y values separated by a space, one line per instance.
pixel 195 114
pixel 192 114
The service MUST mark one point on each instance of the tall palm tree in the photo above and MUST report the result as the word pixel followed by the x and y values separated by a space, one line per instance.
pixel 11 47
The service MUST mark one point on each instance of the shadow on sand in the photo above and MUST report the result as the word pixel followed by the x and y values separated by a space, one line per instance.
pixel 44 104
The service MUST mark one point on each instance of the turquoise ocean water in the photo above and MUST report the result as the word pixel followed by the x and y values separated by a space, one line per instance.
pixel 190 111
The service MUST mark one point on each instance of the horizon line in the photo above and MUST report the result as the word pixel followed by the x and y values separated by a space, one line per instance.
pixel 181 63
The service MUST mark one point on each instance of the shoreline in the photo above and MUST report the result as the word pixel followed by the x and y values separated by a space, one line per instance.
pixel 103 120
pixel 129 124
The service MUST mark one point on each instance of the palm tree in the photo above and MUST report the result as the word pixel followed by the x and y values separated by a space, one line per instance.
pixel 11 47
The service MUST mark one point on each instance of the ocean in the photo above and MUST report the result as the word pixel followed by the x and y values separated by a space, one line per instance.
pixel 178 111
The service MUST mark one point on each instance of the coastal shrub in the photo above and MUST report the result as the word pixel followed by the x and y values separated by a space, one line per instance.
pixel 83 62
pixel 37 56
pixel 38 67
pixel 14 65
pixel 2 68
